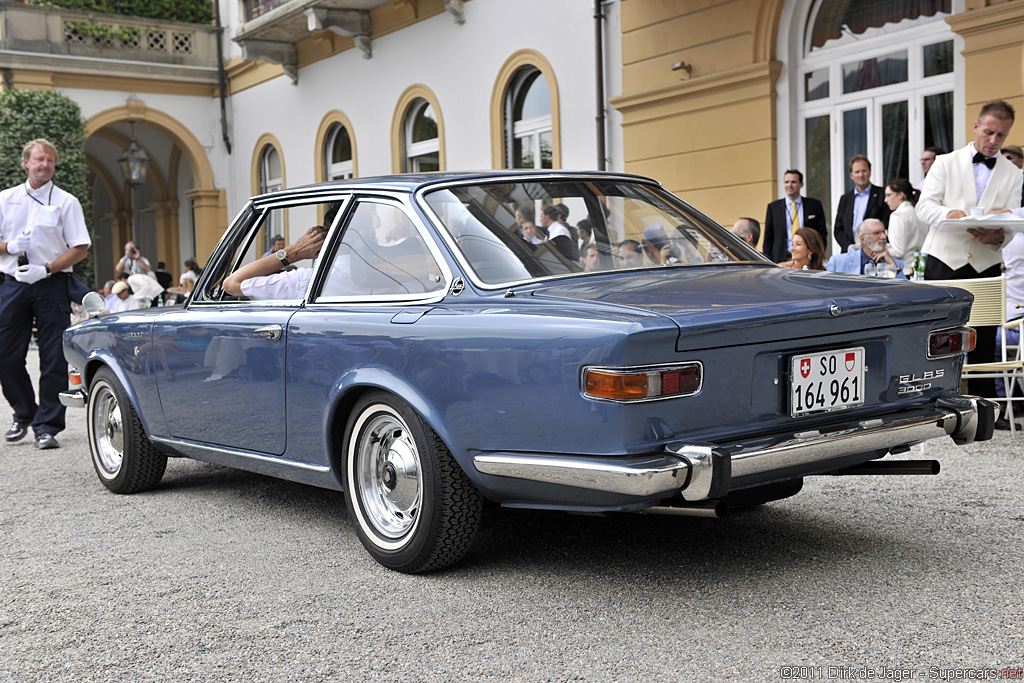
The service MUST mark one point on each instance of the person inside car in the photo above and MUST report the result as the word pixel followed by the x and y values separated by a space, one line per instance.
pixel 267 277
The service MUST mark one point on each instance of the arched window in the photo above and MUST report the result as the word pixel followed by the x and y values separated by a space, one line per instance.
pixel 270 170
pixel 422 147
pixel 338 154
pixel 528 132
pixel 874 77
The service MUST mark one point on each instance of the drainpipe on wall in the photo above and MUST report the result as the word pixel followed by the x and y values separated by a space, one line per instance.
pixel 599 74
pixel 221 78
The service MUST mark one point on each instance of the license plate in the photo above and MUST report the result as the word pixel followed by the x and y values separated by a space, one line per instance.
pixel 826 381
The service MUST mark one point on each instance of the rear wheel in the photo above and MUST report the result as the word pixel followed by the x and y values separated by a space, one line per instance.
pixel 413 506
pixel 122 455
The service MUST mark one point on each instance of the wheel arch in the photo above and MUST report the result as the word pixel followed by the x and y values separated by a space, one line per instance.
pixel 351 387
pixel 104 359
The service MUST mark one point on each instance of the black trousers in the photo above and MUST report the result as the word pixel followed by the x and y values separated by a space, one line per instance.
pixel 985 348
pixel 47 303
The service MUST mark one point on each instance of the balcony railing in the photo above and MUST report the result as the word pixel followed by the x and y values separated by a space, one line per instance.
pixel 57 31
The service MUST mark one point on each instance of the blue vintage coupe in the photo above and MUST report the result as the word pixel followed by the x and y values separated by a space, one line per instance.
pixel 456 341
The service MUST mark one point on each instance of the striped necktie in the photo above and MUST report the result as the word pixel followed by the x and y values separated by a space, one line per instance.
pixel 795 220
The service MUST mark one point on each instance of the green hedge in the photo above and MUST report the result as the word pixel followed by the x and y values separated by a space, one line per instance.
pixel 29 114
pixel 192 11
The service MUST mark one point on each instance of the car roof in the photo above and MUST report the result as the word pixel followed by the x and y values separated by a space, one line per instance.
pixel 413 182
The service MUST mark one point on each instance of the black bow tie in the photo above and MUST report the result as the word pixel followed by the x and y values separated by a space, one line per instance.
pixel 980 158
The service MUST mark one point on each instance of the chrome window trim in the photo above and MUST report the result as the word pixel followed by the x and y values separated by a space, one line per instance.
pixel 636 369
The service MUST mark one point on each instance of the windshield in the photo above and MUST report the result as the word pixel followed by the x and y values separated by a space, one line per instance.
pixel 516 231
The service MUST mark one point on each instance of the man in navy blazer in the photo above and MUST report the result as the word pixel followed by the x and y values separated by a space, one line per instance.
pixel 871 235
pixel 863 201
pixel 778 224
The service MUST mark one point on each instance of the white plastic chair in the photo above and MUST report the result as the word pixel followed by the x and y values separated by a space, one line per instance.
pixel 989 309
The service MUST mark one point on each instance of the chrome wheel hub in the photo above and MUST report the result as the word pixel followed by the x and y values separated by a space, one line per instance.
pixel 108 430
pixel 388 475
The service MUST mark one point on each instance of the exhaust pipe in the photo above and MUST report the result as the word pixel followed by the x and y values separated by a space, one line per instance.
pixel 715 509
pixel 893 467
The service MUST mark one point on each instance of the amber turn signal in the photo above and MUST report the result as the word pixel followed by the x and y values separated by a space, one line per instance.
pixel 642 384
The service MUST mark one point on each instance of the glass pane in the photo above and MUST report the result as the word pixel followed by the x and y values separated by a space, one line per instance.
pixel 855 137
pixel 533 98
pixel 816 85
pixel 938 58
pixel 875 72
pixel 425 126
pixel 545 150
pixel 842 21
pixel 818 152
pixel 381 254
pixel 634 226
pixel 896 157
pixel 341 150
pixel 938 121
pixel 273 164
pixel 522 152
pixel 425 163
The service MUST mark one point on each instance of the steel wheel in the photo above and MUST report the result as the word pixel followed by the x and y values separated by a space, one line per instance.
pixel 106 415
pixel 122 455
pixel 412 505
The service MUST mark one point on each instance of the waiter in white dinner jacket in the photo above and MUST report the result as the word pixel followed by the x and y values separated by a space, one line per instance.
pixel 975 176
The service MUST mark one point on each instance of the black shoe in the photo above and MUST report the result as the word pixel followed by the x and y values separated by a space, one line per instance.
pixel 1004 424
pixel 17 432
pixel 46 441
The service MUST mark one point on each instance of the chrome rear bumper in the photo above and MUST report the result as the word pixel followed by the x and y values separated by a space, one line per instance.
pixel 703 471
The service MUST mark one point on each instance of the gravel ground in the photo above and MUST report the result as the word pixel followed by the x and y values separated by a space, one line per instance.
pixel 221 575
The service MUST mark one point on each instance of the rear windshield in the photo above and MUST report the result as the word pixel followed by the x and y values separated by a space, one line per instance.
pixel 512 232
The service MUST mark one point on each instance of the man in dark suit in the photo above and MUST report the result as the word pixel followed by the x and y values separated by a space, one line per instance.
pixel 787 214
pixel 863 201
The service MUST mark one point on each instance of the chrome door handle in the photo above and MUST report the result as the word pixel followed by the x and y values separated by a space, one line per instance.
pixel 270 332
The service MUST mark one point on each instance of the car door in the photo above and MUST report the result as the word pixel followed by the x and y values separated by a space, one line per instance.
pixel 222 377
pixel 380 277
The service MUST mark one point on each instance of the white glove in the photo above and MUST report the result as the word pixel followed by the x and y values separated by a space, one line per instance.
pixel 30 274
pixel 19 245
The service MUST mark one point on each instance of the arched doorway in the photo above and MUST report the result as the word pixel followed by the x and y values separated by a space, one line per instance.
pixel 177 213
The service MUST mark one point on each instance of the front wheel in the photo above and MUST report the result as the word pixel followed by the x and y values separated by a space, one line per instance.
pixel 122 455
pixel 413 506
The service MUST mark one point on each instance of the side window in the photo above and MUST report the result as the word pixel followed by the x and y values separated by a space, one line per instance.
pixel 256 242
pixel 382 254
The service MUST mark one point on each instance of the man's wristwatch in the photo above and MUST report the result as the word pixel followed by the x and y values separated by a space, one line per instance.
pixel 47 266
pixel 282 257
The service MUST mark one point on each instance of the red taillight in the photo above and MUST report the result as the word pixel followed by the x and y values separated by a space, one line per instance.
pixel 682 381
pixel 640 384
pixel 951 342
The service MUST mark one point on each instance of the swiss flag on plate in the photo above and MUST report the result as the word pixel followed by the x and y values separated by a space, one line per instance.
pixel 805 366
pixel 851 361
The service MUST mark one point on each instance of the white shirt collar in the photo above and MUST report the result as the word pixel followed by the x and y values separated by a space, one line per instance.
pixel 42 192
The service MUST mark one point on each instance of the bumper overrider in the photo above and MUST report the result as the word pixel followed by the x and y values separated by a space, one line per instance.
pixel 702 472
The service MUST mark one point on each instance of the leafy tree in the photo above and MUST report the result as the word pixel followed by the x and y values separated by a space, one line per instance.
pixel 191 11
pixel 29 114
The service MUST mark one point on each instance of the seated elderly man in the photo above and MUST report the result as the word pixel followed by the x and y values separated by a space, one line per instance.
pixel 266 277
pixel 873 250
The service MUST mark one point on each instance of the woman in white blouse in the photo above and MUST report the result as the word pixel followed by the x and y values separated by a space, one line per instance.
pixel 906 230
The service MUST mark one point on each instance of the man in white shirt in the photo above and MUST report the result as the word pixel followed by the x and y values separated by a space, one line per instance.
pixel 42 235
